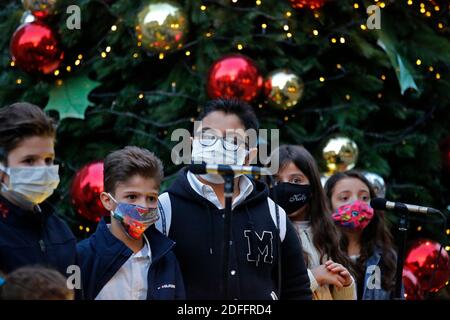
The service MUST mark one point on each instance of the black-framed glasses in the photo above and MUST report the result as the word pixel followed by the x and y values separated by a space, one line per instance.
pixel 230 142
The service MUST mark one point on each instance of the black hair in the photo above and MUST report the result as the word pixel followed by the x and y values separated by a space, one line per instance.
pixel 232 106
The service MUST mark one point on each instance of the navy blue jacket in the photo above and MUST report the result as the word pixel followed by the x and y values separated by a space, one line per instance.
pixel 197 226
pixel 34 238
pixel 102 255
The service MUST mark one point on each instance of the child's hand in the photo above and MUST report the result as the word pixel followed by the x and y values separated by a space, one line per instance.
pixel 341 270
pixel 324 276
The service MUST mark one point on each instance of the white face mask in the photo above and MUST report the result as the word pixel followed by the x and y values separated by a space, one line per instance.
pixel 35 184
pixel 217 154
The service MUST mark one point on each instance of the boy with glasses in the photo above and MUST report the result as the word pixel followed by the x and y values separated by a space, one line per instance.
pixel 192 214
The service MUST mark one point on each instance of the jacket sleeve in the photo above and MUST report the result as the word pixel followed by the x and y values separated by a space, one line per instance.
pixel 345 293
pixel 295 284
pixel 79 292
pixel 313 282
pixel 84 262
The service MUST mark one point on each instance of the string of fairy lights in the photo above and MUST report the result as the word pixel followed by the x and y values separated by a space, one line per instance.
pixel 273 24
pixel 427 9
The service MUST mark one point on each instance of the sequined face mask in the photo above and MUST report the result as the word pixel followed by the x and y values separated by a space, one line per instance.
pixel 356 215
pixel 134 219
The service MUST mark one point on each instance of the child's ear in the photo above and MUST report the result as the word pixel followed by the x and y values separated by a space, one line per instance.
pixel 106 201
pixel 4 177
pixel 252 153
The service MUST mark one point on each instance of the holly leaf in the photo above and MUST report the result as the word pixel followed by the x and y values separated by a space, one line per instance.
pixel 403 70
pixel 70 98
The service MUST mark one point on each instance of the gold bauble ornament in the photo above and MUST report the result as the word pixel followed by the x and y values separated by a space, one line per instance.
pixel 283 89
pixel 162 26
pixel 340 154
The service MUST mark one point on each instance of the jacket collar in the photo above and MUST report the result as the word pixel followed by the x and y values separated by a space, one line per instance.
pixel 106 244
pixel 207 192
pixel 14 215
pixel 182 188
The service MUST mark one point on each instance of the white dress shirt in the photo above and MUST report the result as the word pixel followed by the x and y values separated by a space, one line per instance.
pixel 207 192
pixel 130 281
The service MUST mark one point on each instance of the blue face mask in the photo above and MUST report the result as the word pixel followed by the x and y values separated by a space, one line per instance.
pixel 134 219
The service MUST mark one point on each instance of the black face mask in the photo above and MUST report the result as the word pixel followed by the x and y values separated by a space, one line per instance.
pixel 290 196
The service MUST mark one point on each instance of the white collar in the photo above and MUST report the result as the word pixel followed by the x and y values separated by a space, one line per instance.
pixel 145 251
pixel 304 224
pixel 207 192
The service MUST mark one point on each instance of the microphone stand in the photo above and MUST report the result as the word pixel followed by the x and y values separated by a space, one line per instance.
pixel 228 231
pixel 403 231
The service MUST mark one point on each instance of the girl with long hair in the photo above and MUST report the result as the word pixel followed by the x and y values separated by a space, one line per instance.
pixel 366 238
pixel 299 192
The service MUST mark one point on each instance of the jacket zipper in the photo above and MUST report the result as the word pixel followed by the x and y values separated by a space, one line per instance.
pixel 41 242
pixel 42 245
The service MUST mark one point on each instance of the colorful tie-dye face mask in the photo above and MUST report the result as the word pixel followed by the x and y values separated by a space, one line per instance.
pixel 356 215
pixel 134 219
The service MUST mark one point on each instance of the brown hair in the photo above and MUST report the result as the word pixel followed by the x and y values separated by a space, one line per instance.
pixel 121 165
pixel 22 120
pixel 375 235
pixel 35 283
pixel 325 235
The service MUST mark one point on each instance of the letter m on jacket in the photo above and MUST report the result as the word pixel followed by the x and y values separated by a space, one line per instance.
pixel 259 246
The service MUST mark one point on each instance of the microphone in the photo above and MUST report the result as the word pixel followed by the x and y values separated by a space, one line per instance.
pixel 203 168
pixel 383 204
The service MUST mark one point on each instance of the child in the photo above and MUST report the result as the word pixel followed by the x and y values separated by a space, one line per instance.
pixel 192 213
pixel 299 192
pixel 35 283
pixel 366 238
pixel 129 259
pixel 30 231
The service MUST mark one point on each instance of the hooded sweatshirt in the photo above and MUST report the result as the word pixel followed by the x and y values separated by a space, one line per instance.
pixel 197 226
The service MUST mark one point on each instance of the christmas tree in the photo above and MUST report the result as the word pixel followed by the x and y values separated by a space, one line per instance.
pixel 121 72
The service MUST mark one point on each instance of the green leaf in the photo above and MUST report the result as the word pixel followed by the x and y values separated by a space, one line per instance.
pixel 401 67
pixel 403 70
pixel 71 98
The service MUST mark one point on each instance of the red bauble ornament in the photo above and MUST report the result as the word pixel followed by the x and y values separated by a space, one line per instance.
pixel 309 4
pixel 35 48
pixel 86 189
pixel 431 269
pixel 234 76
pixel 411 285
